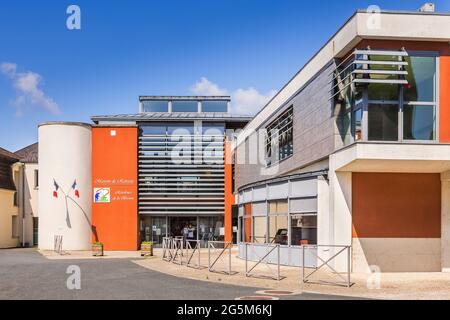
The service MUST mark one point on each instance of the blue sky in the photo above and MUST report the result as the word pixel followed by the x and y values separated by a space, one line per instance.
pixel 246 48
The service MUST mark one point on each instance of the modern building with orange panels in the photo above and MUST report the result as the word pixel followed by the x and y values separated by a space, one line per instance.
pixel 348 163
pixel 159 173
pixel 356 151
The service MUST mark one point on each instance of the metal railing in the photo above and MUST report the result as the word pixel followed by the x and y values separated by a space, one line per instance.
pixel 346 281
pixel 270 248
pixel 215 245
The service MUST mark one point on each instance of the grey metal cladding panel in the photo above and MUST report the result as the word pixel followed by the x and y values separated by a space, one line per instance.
pixel 248 196
pixel 303 205
pixel 279 190
pixel 259 209
pixel 313 132
pixel 259 193
pixel 304 188
pixel 241 211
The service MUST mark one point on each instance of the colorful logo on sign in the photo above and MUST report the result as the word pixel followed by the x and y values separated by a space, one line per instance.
pixel 102 195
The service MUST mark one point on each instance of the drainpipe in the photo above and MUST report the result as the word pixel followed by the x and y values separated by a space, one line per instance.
pixel 22 192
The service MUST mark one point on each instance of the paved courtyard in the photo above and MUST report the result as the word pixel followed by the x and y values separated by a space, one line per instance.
pixel 26 274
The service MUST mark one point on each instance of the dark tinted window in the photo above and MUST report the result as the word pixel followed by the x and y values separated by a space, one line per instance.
pixel 184 106
pixel 155 106
pixel 383 122
pixel 214 106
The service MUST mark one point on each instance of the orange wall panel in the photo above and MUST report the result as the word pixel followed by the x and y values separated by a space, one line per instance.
pixel 114 167
pixel 248 222
pixel 394 205
pixel 444 129
pixel 229 197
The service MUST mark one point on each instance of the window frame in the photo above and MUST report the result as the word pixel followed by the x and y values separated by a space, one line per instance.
pixel 271 145
pixel 293 216
pixel 365 103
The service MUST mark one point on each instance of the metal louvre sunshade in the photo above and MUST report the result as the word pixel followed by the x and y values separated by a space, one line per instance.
pixel 368 67
pixel 181 175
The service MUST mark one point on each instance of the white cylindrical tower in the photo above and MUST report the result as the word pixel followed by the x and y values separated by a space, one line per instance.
pixel 65 174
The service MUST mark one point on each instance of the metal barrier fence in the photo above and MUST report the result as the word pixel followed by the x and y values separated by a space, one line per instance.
pixel 271 248
pixel 346 281
pixel 190 253
pixel 177 250
pixel 57 244
pixel 215 245
pixel 167 249
pixel 182 252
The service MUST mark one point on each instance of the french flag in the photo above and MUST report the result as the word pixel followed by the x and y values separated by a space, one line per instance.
pixel 75 188
pixel 55 192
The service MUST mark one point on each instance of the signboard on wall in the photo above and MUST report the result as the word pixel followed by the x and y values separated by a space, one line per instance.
pixel 102 195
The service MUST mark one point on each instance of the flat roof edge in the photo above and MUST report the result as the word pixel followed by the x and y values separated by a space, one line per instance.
pixel 149 98
pixel 65 123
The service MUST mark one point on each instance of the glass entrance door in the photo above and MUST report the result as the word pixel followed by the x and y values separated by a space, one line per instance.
pixel 153 229
pixel 185 227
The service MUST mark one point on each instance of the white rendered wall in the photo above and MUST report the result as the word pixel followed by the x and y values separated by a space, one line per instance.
pixel 445 222
pixel 65 156
pixel 324 226
pixel 396 255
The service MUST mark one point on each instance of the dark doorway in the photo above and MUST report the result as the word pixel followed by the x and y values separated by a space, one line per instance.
pixel 185 227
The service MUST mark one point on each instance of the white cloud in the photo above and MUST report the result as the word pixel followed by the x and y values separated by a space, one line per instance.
pixel 28 92
pixel 206 88
pixel 243 101
pixel 9 69
pixel 249 101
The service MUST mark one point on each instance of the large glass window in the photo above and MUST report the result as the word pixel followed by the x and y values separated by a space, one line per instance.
pixel 278 229
pixel 383 122
pixel 213 129
pixel 155 106
pixel 185 106
pixel 259 229
pixel 214 106
pixel 278 222
pixel 419 111
pixel 210 229
pixel 279 140
pixel 278 207
pixel 154 129
pixel 181 129
pixel 412 106
pixel 303 229
pixel 421 79
pixel 419 122
pixel 153 229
